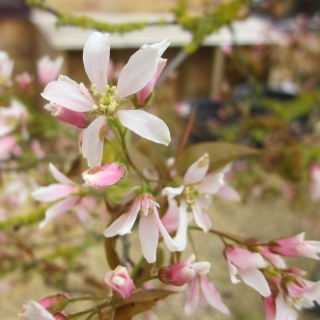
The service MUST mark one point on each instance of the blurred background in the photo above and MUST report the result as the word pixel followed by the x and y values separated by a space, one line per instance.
pixel 255 82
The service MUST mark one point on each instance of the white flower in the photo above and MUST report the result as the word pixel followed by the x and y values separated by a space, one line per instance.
pixel 107 101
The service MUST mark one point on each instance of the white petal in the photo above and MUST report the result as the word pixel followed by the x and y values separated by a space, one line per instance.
pixel 92 143
pixel 161 46
pixel 148 233
pixel 172 192
pixel 201 218
pixel 124 223
pixel 84 215
pixel 283 310
pixel 180 238
pixel 58 209
pixel 197 170
pixel 228 193
pixel 96 54
pixel 145 125
pixel 211 184
pixel 140 68
pixel 35 311
pixel 114 228
pixel 58 175
pixel 132 216
pixel 53 192
pixel 255 279
pixel 166 237
pixel 68 96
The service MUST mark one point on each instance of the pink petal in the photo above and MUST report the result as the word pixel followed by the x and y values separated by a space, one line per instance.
pixel 148 233
pixel 58 175
pixel 145 125
pixel 68 96
pixel 197 170
pixel 92 143
pixel 191 303
pixel 66 115
pixel 84 215
pixel 211 184
pixel 53 192
pixel 255 279
pixel 58 209
pixel 124 223
pixel 171 219
pixel 245 259
pixel 96 54
pixel 212 295
pixel 269 307
pixel 144 93
pixel 172 192
pixel 103 176
pixel 140 69
pixel 201 218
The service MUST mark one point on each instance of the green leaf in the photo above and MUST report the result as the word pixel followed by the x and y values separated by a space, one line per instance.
pixel 220 154
pixel 140 301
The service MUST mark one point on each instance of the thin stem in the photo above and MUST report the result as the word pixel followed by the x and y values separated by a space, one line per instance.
pixel 130 161
pixel 136 268
pixel 234 238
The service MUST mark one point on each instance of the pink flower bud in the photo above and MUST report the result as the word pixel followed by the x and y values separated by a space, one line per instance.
pixel 55 303
pixel 181 273
pixel 296 247
pixel 24 81
pixel 120 282
pixel 75 118
pixel 103 176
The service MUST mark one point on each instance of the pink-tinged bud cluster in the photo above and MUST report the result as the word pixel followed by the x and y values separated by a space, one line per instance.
pixel 103 176
pixel 290 292
pixel 248 264
pixel 78 119
pixel 120 282
pixel 24 81
pixel 48 69
pixel 203 291
pixel 181 273
pixel 55 303
pixel 296 247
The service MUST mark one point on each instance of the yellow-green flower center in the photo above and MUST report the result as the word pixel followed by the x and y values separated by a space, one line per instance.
pixel 106 102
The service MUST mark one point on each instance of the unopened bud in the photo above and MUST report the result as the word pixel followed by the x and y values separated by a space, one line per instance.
pixel 55 303
pixel 181 273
